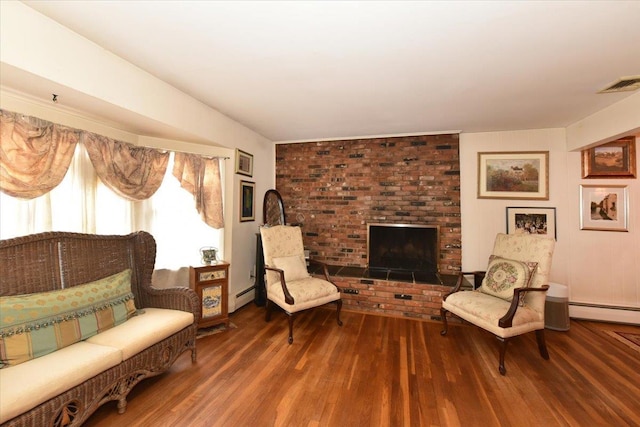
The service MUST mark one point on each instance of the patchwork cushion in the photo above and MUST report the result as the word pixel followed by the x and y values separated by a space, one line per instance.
pixel 504 275
pixel 37 324
pixel 294 267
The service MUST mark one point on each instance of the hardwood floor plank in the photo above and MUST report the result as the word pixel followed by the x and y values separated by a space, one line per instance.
pixel 383 371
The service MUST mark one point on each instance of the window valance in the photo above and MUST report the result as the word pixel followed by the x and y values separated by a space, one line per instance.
pixel 35 155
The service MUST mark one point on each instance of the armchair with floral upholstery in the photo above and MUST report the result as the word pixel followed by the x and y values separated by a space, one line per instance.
pixel 509 297
pixel 288 284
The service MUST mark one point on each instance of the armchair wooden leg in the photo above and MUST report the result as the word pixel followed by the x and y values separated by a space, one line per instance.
pixel 542 345
pixel 445 326
pixel 339 303
pixel 290 328
pixel 503 349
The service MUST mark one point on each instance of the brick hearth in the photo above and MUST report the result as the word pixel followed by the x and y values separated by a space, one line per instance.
pixel 335 188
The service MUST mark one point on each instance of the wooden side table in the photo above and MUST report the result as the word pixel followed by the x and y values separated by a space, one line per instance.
pixel 211 283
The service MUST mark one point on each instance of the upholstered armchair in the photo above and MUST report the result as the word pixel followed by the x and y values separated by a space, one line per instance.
pixel 288 284
pixel 509 297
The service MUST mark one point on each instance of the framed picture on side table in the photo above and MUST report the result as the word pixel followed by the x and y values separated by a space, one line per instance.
pixel 540 221
pixel 604 207
pixel 615 159
pixel 513 175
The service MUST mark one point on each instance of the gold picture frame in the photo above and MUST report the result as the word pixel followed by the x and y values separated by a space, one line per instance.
pixel 520 175
pixel 616 159
pixel 247 201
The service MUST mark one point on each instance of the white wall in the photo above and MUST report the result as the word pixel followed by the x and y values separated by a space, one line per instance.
pixel 40 48
pixel 482 219
pixel 600 268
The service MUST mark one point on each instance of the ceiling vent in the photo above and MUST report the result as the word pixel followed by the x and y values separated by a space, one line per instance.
pixel 625 84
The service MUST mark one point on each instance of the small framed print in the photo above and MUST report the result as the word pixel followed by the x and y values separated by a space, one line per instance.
pixel 604 207
pixel 541 221
pixel 616 159
pixel 513 175
pixel 244 163
pixel 247 199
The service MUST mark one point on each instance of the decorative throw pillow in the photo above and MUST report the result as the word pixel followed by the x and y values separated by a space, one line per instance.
pixel 504 275
pixel 294 267
pixel 37 324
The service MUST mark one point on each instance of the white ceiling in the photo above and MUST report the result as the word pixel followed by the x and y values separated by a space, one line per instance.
pixel 315 70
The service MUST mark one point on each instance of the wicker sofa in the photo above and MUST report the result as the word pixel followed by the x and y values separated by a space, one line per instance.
pixel 67 385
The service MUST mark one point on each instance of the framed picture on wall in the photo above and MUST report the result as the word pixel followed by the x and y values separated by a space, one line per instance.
pixel 616 159
pixel 513 175
pixel 604 207
pixel 247 201
pixel 244 163
pixel 541 221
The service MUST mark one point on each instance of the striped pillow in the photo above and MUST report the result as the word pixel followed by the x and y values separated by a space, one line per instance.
pixel 37 324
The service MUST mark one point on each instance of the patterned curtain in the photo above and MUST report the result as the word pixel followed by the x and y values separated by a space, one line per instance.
pixel 132 172
pixel 34 154
pixel 200 176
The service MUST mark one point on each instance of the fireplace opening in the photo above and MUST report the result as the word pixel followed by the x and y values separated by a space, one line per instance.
pixel 409 251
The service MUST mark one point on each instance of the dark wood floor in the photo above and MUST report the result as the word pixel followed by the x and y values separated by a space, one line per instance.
pixel 380 371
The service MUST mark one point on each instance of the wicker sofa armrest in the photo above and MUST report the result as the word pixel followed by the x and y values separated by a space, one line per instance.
pixel 177 298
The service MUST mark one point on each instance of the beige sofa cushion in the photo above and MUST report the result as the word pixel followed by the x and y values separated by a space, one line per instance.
pixel 149 327
pixel 24 386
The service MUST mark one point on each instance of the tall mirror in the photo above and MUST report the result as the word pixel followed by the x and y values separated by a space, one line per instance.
pixel 273 209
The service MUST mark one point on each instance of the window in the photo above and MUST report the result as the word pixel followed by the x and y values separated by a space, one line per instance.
pixel 81 203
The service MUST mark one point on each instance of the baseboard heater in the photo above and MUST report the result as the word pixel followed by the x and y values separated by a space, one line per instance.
pixel 246 291
pixel 605 313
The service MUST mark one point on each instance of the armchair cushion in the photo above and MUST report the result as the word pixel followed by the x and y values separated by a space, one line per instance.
pixel 485 311
pixel 308 292
pixel 503 275
pixel 294 267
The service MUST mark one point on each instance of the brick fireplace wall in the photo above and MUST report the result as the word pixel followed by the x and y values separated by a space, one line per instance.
pixel 335 188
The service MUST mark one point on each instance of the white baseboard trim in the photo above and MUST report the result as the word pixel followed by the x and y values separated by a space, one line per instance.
pixel 605 314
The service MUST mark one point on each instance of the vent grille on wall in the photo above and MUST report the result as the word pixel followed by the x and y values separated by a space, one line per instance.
pixel 625 84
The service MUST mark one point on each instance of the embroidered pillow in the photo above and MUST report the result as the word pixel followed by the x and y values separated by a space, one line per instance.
pixel 37 324
pixel 504 275
pixel 294 267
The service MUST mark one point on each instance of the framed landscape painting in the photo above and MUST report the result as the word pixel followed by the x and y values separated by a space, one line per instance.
pixel 541 221
pixel 616 159
pixel 604 207
pixel 513 175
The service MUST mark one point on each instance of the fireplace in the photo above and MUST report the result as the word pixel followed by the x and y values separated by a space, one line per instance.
pixel 403 251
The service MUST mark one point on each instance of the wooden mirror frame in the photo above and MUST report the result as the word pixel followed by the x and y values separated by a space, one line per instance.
pixel 273 209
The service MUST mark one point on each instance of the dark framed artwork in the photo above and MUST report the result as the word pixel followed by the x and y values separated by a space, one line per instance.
pixel 513 175
pixel 616 159
pixel 604 207
pixel 244 163
pixel 530 220
pixel 247 201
